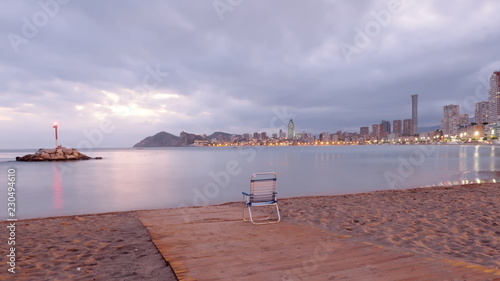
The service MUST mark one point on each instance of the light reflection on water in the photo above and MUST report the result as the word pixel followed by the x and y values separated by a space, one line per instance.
pixel 128 179
pixel 58 191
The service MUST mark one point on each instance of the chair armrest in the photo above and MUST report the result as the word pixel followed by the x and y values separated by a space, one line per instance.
pixel 244 193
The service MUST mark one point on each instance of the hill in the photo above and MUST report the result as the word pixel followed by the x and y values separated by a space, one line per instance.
pixel 216 135
pixel 164 139
pixel 161 139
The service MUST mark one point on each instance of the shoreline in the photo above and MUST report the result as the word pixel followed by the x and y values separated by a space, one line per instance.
pixel 459 223
pixel 451 185
pixel 10 150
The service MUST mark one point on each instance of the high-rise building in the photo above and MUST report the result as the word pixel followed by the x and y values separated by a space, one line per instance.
pixel 481 112
pixel 464 120
pixel 407 127
pixel 494 98
pixel 364 131
pixel 305 135
pixel 386 127
pixel 397 127
pixel 376 130
pixel 414 114
pixel 291 129
pixel 325 136
pixel 282 135
pixel 451 120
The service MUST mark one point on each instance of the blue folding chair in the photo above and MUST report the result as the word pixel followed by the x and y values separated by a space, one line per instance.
pixel 262 194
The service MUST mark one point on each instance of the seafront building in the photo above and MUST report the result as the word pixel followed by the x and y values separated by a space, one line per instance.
pixel 494 97
pixel 414 115
pixel 451 120
pixel 324 137
pixel 407 127
pixel 386 127
pixel 364 131
pixel 291 129
pixel 481 112
pixel 376 131
pixel 397 127
pixel 464 120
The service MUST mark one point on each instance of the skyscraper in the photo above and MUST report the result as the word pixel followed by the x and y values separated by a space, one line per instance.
pixel 481 112
pixel 376 130
pixel 291 129
pixel 451 119
pixel 386 126
pixel 494 98
pixel 364 131
pixel 414 114
pixel 407 127
pixel 397 127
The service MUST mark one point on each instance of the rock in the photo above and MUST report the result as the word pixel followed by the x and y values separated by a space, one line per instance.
pixel 54 155
pixel 84 157
pixel 24 158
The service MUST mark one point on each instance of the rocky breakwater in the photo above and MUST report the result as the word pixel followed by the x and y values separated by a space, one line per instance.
pixel 54 155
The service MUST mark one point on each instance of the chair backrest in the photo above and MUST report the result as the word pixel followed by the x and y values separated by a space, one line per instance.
pixel 263 187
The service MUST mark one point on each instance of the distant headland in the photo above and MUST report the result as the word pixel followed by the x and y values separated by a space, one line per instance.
pixel 164 139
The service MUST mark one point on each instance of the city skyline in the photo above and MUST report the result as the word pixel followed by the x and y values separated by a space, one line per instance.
pixel 114 72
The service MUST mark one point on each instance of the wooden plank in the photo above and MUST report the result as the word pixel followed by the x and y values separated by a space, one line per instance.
pixel 213 243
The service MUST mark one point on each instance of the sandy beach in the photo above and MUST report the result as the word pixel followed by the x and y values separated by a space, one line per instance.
pixel 460 223
pixel 456 222
pixel 111 246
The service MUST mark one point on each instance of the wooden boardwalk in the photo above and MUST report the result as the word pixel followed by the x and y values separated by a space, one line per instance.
pixel 213 243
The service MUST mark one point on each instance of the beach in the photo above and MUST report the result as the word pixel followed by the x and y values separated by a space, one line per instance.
pixel 456 223
pixel 112 246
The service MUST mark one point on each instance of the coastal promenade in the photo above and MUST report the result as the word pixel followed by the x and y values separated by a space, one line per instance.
pixel 213 243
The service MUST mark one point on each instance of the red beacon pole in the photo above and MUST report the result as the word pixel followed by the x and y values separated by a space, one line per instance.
pixel 55 126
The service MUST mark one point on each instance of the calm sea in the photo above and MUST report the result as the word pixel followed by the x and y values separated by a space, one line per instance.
pixel 130 179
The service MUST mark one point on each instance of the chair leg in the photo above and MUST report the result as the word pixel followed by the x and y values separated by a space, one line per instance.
pixel 244 218
pixel 266 220
pixel 278 212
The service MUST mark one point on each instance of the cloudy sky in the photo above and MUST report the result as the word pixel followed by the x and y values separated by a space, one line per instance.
pixel 114 72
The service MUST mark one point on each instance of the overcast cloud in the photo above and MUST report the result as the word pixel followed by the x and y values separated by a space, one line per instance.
pixel 235 66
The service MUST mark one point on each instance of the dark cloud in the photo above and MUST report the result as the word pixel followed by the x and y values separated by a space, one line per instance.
pixel 173 66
